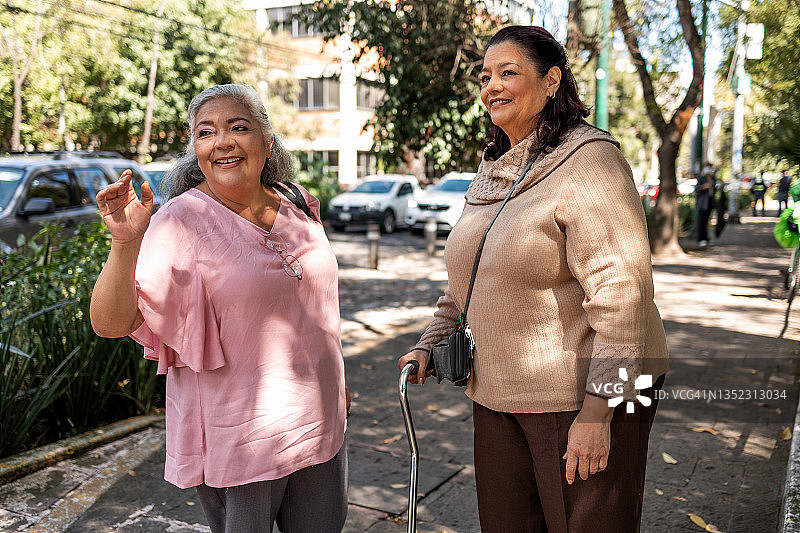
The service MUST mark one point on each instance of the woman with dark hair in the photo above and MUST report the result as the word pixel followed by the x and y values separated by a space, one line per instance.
pixel 232 289
pixel 568 340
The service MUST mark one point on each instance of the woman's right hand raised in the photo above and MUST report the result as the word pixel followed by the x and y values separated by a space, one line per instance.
pixel 421 356
pixel 127 218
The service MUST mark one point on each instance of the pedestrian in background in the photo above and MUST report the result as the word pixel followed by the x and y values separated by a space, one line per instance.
pixel 704 198
pixel 562 301
pixel 721 204
pixel 759 190
pixel 233 290
pixel 784 185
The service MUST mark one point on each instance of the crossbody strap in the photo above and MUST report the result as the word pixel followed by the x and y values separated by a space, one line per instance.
pixel 483 239
pixel 293 194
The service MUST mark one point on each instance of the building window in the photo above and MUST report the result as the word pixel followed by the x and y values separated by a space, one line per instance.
pixel 328 160
pixel 367 163
pixel 368 97
pixel 283 19
pixel 318 93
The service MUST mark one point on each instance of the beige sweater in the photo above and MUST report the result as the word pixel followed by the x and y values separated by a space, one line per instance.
pixel 564 294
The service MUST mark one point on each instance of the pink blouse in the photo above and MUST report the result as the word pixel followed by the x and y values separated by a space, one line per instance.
pixel 253 357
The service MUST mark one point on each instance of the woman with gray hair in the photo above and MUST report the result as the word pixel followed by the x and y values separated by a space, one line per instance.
pixel 233 291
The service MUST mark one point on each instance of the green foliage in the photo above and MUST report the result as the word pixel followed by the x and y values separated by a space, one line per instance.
pixel 318 179
pixel 745 199
pixel 426 56
pixel 773 121
pixel 685 215
pixel 91 71
pixel 58 377
pixel 26 391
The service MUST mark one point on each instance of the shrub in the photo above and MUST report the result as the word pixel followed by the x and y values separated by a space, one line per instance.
pixel 745 199
pixel 52 361
pixel 685 213
pixel 318 180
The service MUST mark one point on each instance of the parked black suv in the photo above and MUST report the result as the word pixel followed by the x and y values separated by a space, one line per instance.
pixel 57 187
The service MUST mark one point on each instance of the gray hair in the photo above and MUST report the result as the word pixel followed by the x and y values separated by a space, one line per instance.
pixel 186 173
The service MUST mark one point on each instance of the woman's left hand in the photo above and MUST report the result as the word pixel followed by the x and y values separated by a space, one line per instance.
pixel 589 439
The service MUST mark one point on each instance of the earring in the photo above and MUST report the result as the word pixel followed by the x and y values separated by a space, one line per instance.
pixel 553 96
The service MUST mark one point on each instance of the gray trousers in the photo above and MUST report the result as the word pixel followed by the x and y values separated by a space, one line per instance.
pixel 311 500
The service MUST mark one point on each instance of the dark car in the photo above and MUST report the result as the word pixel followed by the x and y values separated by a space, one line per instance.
pixel 54 187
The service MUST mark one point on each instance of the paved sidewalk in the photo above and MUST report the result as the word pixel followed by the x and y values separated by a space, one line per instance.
pixel 722 309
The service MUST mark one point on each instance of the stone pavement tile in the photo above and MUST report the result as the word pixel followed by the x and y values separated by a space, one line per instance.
pixel 53 496
pixel 143 501
pixel 11 521
pixel 401 527
pixel 360 519
pixel 715 480
pixel 380 481
pixel 441 413
pixel 455 504
pixel 34 494
pixel 723 311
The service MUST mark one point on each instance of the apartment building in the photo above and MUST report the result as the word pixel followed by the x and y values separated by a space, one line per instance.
pixel 333 105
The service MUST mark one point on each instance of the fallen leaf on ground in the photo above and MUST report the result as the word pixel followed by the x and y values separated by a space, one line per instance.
pixel 659 492
pixel 190 503
pixel 399 485
pixel 367 367
pixel 705 430
pixel 432 408
pixel 131 473
pixel 679 498
pixel 668 458
pixel 697 520
pixel 392 439
pixel 711 528
pixel 786 434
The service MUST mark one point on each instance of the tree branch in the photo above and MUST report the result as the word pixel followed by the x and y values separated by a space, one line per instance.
pixel 694 93
pixel 632 42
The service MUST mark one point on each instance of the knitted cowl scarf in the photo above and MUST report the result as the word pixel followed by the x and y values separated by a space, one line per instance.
pixel 495 178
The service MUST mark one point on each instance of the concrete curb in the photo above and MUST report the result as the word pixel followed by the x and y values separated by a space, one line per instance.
pixel 24 463
pixel 790 509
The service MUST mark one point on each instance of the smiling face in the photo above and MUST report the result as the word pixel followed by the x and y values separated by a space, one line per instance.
pixel 512 90
pixel 230 146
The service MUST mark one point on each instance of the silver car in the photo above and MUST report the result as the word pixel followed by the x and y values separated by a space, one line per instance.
pixel 443 202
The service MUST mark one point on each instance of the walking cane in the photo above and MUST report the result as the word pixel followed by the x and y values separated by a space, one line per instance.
pixel 411 368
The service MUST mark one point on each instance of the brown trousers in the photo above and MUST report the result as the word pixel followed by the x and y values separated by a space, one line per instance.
pixel 520 473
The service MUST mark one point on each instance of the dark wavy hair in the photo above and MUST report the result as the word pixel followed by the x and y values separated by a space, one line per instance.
pixel 560 114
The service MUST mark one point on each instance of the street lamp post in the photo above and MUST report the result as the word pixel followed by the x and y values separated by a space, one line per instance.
pixel 740 87
pixel 699 155
pixel 749 38
pixel 601 74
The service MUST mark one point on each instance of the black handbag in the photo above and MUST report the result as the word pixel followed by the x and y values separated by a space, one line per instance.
pixel 451 357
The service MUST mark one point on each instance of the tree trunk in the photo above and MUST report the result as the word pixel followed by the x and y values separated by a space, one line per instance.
pixel 144 145
pixel 20 69
pixel 663 228
pixel 16 122
pixel 62 115
pixel 664 221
